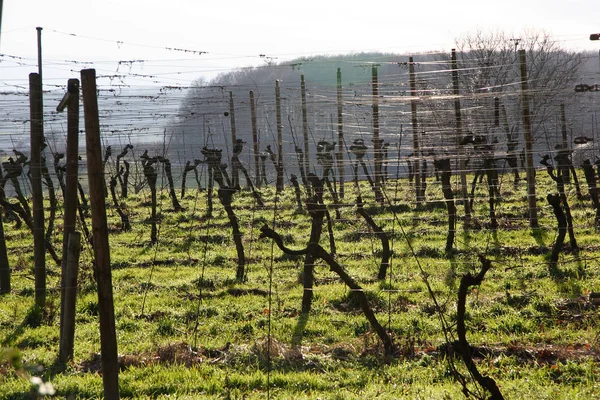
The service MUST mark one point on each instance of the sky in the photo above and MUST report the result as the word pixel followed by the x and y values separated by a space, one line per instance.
pixel 179 41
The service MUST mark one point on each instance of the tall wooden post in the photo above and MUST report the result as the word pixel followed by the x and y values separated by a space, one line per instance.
pixel 235 174
pixel 462 162
pixel 497 112
pixel 415 129
pixel 108 338
pixel 39 50
pixel 378 156
pixel 40 68
pixel 67 331
pixel 279 182
pixel 530 170
pixel 563 126
pixel 305 128
pixel 37 139
pixel 72 170
pixel 257 180
pixel 232 118
pixel 340 153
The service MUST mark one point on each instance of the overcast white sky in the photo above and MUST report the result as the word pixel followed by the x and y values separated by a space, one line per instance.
pixel 236 32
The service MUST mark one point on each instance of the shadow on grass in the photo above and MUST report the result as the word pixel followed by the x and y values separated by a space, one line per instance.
pixel 560 274
pixel 32 319
pixel 539 235
pixel 299 329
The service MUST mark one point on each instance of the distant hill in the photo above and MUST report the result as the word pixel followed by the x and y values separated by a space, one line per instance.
pixel 202 118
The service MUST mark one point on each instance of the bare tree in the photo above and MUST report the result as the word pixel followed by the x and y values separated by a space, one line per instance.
pixel 488 66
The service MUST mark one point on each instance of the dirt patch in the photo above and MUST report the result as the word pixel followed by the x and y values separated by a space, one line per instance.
pixel 237 292
pixel 526 355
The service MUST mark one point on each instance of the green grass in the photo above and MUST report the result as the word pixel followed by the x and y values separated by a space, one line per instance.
pixel 187 329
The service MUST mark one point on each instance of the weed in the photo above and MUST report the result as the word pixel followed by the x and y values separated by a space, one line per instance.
pixel 90 308
pixel 34 317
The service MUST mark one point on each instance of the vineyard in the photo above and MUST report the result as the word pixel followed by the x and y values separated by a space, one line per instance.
pixel 397 229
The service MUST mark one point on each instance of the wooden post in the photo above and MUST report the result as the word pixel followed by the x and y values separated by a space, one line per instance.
pixel 305 134
pixel 564 172
pixel 235 175
pixel 340 153
pixel 39 50
pixel 71 101
pixel 67 332
pixel 378 178
pixel 529 168
pixel 462 162
pixel 563 126
pixel 37 139
pixel 108 338
pixel 415 129
pixel 305 130
pixel 497 112
pixel 257 180
pixel 232 116
pixel 279 182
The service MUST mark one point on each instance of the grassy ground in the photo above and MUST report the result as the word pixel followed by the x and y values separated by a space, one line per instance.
pixel 187 329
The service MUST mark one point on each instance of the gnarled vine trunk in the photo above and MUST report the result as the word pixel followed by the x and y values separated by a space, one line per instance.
pixel 316 251
pixel 467 281
pixel 383 237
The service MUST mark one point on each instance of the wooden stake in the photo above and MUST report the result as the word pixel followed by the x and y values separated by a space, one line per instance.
pixel 529 168
pixel 67 332
pixel 37 140
pixel 232 116
pixel 39 50
pixel 563 126
pixel 340 153
pixel 72 169
pixel 257 180
pixel 279 182
pixel 305 130
pixel 378 178
pixel 235 175
pixel 108 338
pixel 415 129
pixel 497 112
pixel 462 162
